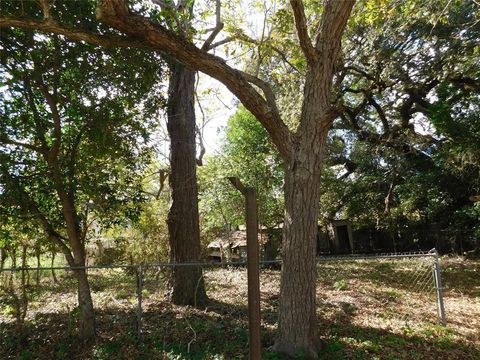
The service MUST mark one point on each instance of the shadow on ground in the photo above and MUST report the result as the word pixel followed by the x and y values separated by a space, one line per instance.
pixel 218 332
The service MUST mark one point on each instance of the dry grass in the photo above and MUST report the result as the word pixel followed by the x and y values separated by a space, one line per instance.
pixel 376 309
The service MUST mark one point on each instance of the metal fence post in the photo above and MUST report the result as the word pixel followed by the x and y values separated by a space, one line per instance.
pixel 139 302
pixel 438 286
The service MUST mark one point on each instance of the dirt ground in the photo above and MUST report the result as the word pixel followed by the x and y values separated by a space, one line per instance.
pixel 367 309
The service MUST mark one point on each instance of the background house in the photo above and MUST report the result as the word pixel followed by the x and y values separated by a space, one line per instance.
pixel 232 247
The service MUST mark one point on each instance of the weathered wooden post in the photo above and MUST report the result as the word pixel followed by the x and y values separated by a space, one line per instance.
pixel 252 268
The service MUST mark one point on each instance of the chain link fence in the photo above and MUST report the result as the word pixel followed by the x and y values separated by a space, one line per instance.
pixel 130 300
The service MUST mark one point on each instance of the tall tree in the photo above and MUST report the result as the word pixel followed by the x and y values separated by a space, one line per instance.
pixel 302 149
pixel 187 284
pixel 411 88
pixel 71 139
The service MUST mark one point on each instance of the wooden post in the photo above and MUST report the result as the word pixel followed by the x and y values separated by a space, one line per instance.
pixel 252 268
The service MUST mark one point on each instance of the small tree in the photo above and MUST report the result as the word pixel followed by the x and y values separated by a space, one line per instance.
pixel 70 137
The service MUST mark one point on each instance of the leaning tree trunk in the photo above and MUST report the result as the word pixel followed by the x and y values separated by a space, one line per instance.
pixel 87 316
pixel 52 264
pixel 187 285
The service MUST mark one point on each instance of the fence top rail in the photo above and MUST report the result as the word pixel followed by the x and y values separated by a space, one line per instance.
pixel 402 255
pixel 353 257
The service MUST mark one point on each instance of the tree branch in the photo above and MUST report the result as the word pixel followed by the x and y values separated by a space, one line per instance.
pixel 221 42
pixel 107 41
pixel 170 6
pixel 116 14
pixel 73 159
pixel 302 31
pixel 46 5
pixel 29 204
pixel 39 130
pixel 329 33
pixel 57 123
pixel 216 30
pixel 143 33
pixel 244 37
pixel 381 113
pixel 5 140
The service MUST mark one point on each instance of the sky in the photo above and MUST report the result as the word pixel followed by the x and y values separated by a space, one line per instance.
pixel 218 106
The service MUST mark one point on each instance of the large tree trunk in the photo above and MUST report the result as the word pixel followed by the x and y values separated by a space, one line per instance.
pixel 187 285
pixel 297 314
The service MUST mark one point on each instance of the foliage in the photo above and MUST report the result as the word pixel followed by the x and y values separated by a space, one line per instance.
pixel 146 237
pixel 408 140
pixel 248 154
pixel 83 111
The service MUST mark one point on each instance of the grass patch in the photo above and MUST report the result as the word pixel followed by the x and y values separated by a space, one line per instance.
pixel 367 310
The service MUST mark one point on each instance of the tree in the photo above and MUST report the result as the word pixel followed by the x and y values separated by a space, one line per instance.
pixel 410 89
pixel 72 140
pixel 187 284
pixel 302 149
pixel 247 153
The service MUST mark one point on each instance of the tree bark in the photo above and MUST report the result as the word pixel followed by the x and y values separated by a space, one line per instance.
pixel 85 303
pixel 187 285
pixel 87 316
pixel 55 280
pixel 37 273
pixel 22 300
pixel 3 257
pixel 86 330
pixel 297 314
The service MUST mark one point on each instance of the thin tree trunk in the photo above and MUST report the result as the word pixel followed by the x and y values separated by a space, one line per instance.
pixel 187 285
pixel 22 303
pixel 37 275
pixel 87 316
pixel 85 303
pixel 3 257
pixel 55 280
